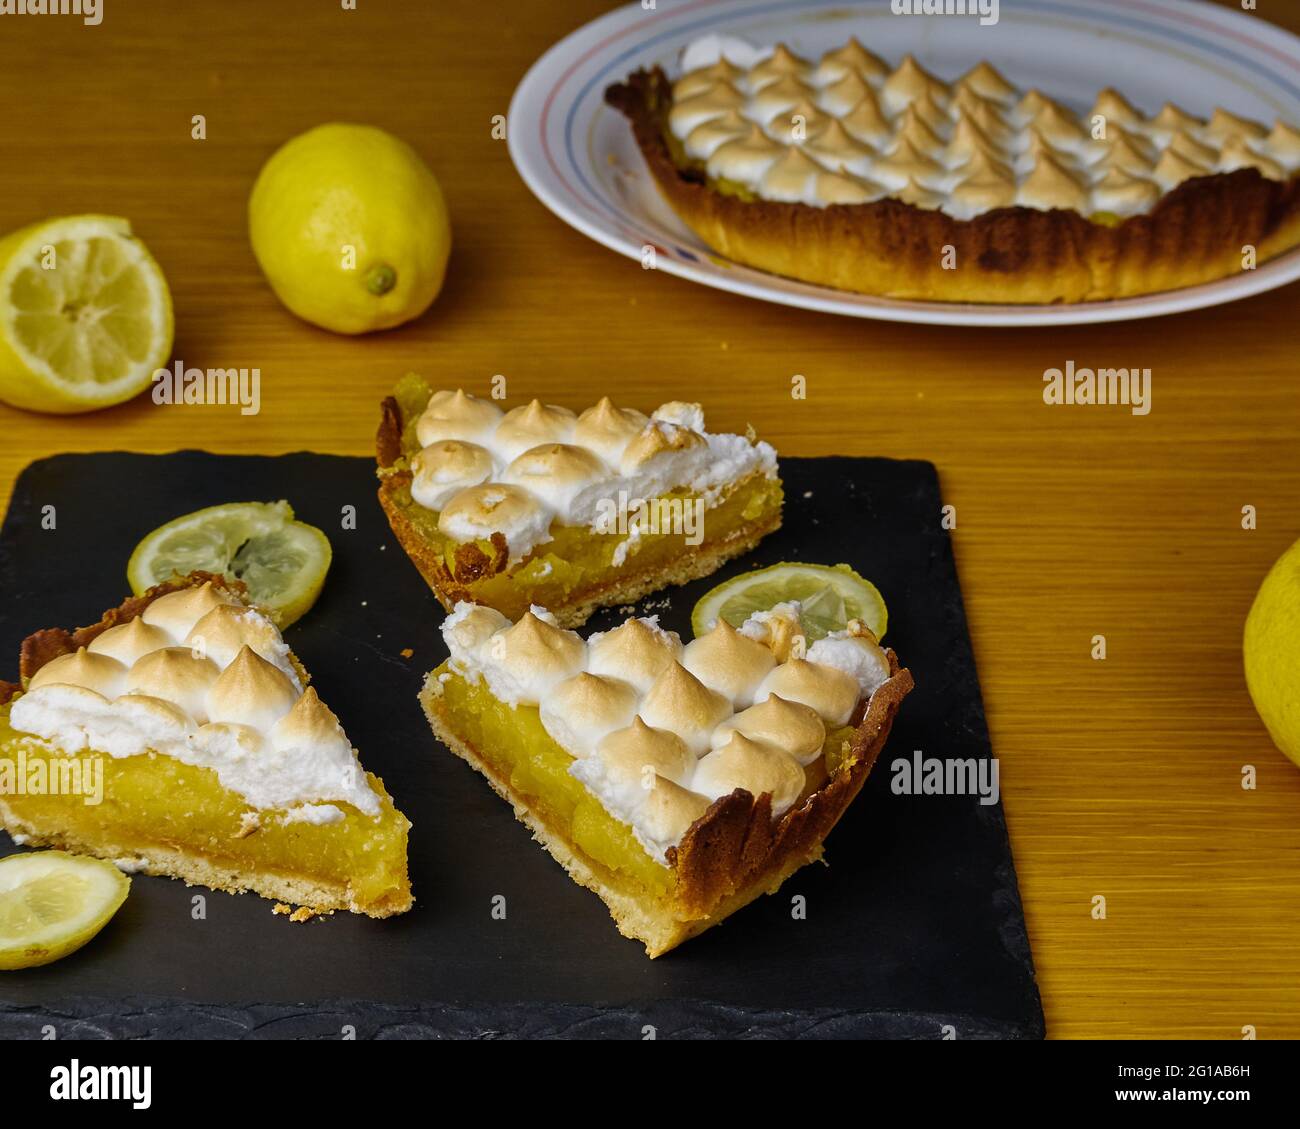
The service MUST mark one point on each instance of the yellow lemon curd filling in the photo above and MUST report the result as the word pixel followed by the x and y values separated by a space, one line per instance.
pixel 154 802
pixel 513 744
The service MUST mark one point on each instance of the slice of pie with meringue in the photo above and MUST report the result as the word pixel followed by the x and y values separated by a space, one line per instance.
pixel 574 511
pixel 178 736
pixel 677 781
pixel 848 171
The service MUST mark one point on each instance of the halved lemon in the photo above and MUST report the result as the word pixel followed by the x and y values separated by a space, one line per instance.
pixel 282 561
pixel 85 315
pixel 829 596
pixel 52 903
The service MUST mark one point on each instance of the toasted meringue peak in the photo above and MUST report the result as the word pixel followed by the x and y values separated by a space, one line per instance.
pixel 443 469
pixel 1185 145
pixel 668 811
pixel 992 126
pixel 707 137
pixel 1176 119
pixel 798 123
pixel 967 140
pixel 607 430
pixel 469 627
pixel 526 661
pixel 682 413
pixel 1224 125
pixel 1030 103
pixel 495 507
pixel 841 96
pixel 698 82
pixel 162 720
pixel 1059 126
pixel 225 631
pixel 581 710
pixel 659 438
pixel 688 115
pixel 790 726
pixel 779 629
pixel 746 158
pixel 905 165
pixel 776 100
pixel 919 196
pixel 680 702
pixel 867 122
pixel 781 63
pixel 985 184
pixel 1127 153
pixel 631 754
pixel 1051 185
pixel 130 641
pixel 755 767
pixel 456 415
pixel 101 673
pixel 1237 154
pixel 1114 107
pixel 985 80
pixel 533 424
pixel 791 178
pixel 176 675
pixel 831 692
pixel 637 651
pixel 843 188
pixel 250 691
pixel 911 80
pixel 730 663
pixel 310 724
pixel 555 472
pixel 177 612
pixel 1284 143
pixel 854 57
pixel 917 132
pixel 1172 169
pixel 1123 194
pixel 858 656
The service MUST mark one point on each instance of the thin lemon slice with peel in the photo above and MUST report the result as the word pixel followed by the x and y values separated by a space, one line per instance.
pixel 282 561
pixel 829 597
pixel 85 315
pixel 52 903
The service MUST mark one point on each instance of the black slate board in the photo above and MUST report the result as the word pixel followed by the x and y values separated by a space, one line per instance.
pixel 916 924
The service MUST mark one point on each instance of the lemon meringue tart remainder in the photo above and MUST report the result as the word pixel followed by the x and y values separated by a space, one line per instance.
pixel 178 736
pixel 541 505
pixel 845 172
pixel 677 782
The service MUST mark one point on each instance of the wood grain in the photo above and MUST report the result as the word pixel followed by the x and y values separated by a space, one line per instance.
pixel 1121 778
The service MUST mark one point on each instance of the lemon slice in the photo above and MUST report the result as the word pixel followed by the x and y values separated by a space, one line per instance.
pixel 52 903
pixel 829 596
pixel 283 562
pixel 85 315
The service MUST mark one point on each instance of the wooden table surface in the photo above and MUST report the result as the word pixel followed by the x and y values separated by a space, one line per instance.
pixel 1121 777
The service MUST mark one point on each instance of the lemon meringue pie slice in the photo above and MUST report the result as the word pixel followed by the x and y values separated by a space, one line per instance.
pixel 178 736
pixel 573 511
pixel 847 172
pixel 678 782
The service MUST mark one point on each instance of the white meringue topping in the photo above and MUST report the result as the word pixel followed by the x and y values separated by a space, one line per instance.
pixel 520 473
pixel 766 120
pixel 205 679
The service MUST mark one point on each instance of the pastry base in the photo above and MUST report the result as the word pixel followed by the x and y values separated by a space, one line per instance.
pixel 1195 233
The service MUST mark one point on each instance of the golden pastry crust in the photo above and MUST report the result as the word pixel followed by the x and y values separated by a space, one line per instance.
pixel 454 583
pixel 1194 234
pixel 729 856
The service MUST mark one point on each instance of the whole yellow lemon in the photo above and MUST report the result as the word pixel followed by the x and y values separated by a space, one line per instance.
pixel 350 228
pixel 1272 652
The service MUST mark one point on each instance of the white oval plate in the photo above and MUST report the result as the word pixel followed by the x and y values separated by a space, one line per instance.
pixel 579 157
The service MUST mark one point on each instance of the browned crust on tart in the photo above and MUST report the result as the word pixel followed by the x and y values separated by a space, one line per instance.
pixel 733 853
pixel 471 563
pixel 1194 234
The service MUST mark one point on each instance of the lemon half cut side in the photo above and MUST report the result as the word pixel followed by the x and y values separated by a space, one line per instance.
pixel 85 315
